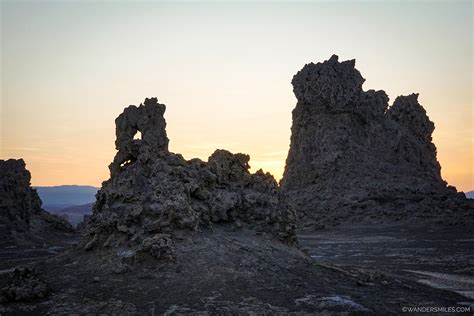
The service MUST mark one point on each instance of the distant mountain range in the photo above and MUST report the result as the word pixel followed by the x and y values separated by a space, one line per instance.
pixel 59 197
pixel 70 201
pixel 470 194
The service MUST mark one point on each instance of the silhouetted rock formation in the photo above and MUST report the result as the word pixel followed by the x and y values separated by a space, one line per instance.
pixel 155 197
pixel 21 216
pixel 149 121
pixel 172 237
pixel 354 158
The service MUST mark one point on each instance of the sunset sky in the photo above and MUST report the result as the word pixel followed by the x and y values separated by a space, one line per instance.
pixel 223 69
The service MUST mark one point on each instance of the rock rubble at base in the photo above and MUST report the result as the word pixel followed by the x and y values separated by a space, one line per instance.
pixel 24 286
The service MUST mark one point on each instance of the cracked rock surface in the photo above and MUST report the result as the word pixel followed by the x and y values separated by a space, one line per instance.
pixel 354 158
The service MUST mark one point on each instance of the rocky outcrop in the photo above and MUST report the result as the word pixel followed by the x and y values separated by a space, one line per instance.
pixel 24 286
pixel 171 237
pixel 355 158
pixel 148 120
pixel 21 215
pixel 155 198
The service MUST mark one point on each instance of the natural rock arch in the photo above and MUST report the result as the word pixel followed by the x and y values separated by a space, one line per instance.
pixel 146 119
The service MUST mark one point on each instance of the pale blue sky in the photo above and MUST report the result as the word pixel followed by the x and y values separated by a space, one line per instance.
pixel 223 69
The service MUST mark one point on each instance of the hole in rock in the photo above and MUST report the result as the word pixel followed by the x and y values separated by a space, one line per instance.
pixel 125 163
pixel 138 135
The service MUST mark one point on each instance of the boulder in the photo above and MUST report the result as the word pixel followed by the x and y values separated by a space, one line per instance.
pixel 24 286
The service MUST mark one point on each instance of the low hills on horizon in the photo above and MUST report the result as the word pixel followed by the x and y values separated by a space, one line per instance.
pixel 69 201
pixel 58 197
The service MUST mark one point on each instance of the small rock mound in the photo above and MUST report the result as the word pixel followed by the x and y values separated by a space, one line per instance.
pixel 21 215
pixel 353 158
pixel 24 286
pixel 155 197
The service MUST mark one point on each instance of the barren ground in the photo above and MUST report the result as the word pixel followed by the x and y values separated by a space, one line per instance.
pixel 360 270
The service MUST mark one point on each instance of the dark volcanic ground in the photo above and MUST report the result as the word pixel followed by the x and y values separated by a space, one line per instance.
pixel 14 255
pixel 441 257
pixel 363 270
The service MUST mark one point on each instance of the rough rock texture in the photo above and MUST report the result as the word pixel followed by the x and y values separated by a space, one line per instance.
pixel 21 215
pixel 173 237
pixel 155 197
pixel 354 158
pixel 146 119
pixel 24 286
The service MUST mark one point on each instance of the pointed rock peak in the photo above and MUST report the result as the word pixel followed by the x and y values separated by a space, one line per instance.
pixel 334 58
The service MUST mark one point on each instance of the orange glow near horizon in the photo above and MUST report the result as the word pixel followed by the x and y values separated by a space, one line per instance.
pixel 223 70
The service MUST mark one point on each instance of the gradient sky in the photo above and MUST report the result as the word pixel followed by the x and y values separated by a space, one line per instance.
pixel 68 68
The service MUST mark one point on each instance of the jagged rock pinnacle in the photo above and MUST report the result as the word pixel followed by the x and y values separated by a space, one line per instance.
pixel 354 158
pixel 155 197
pixel 149 121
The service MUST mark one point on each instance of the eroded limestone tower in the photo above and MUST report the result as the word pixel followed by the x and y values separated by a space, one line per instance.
pixel 154 197
pixel 354 158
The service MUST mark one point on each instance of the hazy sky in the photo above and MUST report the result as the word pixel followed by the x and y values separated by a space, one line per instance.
pixel 68 68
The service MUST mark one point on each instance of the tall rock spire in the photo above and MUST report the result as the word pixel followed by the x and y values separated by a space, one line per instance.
pixel 354 158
